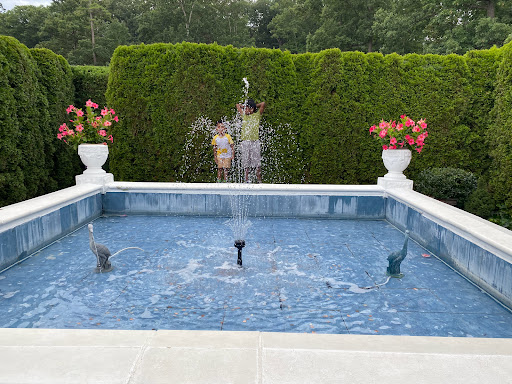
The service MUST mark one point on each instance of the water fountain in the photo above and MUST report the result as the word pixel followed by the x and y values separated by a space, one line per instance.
pixel 278 146
pixel 238 199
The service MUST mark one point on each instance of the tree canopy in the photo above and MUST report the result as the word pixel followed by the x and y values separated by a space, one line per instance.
pixel 88 31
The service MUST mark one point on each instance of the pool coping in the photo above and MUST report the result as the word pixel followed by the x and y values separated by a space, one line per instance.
pixel 490 236
pixel 254 189
pixel 486 234
pixel 15 214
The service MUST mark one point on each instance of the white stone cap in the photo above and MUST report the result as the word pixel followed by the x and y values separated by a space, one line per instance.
pixel 16 214
pixel 491 237
pixel 251 189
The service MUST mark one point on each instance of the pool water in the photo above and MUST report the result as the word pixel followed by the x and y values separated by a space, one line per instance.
pixel 298 275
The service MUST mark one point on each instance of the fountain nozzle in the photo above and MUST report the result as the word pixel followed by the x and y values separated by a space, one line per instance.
pixel 239 244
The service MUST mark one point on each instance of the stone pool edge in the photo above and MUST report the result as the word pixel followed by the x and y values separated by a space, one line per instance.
pixel 29 226
pixel 479 249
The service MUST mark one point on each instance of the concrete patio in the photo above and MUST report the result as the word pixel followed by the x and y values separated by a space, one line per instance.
pixel 130 357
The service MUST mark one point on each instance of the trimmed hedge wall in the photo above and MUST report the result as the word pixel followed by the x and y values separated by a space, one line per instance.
pixel 90 83
pixel 160 90
pixel 500 137
pixel 24 171
pixel 330 98
pixel 34 85
pixel 57 82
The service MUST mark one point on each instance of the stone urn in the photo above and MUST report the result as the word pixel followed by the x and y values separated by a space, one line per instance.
pixel 396 161
pixel 94 156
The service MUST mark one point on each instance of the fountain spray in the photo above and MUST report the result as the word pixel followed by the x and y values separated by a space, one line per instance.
pixel 239 201
pixel 278 144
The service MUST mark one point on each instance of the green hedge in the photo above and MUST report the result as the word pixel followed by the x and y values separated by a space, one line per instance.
pixel 319 109
pixel 24 170
pixel 329 99
pixel 57 81
pixel 499 138
pixel 34 85
pixel 90 83
pixel 160 90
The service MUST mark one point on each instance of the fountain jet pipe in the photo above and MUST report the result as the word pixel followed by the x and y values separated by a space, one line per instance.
pixel 239 244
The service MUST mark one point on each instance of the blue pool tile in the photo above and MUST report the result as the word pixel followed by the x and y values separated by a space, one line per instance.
pixel 192 319
pixel 433 324
pixel 484 325
pixel 374 322
pixel 416 300
pixel 308 320
pixel 247 319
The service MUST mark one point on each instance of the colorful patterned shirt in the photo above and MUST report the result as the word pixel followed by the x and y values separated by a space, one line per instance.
pixel 223 144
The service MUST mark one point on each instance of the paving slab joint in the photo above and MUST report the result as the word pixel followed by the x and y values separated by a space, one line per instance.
pixel 259 374
pixel 140 357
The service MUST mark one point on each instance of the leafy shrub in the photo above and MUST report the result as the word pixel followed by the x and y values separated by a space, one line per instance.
pixel 34 85
pixel 57 81
pixel 446 183
pixel 503 217
pixel 480 203
pixel 90 83
pixel 24 168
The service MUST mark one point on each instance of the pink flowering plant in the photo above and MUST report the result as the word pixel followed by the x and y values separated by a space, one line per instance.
pixel 406 133
pixel 89 127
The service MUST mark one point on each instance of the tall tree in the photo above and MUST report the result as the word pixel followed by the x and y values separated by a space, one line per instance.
pixel 347 26
pixel 260 17
pixel 73 29
pixel 24 23
pixel 457 26
pixel 223 21
pixel 399 27
pixel 294 21
pixel 64 27
pixel 201 21
pixel 128 12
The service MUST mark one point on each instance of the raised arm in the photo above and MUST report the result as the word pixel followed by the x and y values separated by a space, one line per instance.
pixel 240 109
pixel 261 107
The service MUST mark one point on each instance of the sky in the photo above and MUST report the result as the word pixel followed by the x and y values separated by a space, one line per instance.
pixel 10 4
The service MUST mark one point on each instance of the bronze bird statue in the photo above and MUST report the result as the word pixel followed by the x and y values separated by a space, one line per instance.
pixel 396 258
pixel 102 253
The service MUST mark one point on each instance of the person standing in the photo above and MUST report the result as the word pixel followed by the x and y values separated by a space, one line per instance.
pixel 223 151
pixel 250 137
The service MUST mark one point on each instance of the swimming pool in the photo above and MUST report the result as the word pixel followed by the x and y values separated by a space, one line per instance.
pixel 479 250
pixel 299 275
